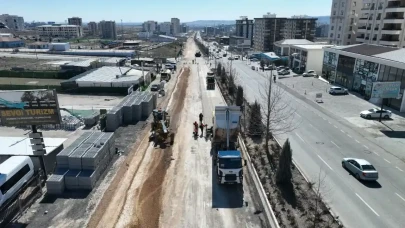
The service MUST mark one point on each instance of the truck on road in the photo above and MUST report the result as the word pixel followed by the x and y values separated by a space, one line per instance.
pixel 226 157
pixel 165 75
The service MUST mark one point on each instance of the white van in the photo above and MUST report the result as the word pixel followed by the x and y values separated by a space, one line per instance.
pixel 14 173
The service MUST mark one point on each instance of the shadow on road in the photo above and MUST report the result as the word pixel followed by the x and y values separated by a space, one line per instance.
pixel 225 196
pixel 371 184
pixel 394 134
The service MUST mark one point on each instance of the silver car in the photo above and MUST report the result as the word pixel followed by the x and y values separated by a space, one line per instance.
pixel 310 73
pixel 376 113
pixel 360 168
pixel 337 90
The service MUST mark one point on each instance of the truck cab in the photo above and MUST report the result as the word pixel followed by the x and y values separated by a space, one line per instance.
pixel 165 75
pixel 230 168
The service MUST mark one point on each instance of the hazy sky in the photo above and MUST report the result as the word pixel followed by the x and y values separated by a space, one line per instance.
pixel 159 10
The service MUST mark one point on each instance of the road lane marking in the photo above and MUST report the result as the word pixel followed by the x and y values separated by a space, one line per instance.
pixel 376 153
pixel 357 141
pixel 402 198
pixel 399 168
pixel 349 135
pixel 365 147
pixel 368 205
pixel 387 161
pixel 323 118
pixel 298 115
pixel 342 131
pixel 335 126
pixel 329 122
pixel 300 137
pixel 335 144
pixel 325 162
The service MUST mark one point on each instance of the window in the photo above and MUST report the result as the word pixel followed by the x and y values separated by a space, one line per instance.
pixel 340 28
pixel 349 36
pixel 333 20
pixel 354 3
pixel 393 74
pixel 334 4
pixel 332 27
pixel 353 12
pixel 340 20
pixel 331 35
pixel 14 179
pixel 350 28
pixel 338 36
pixel 343 4
pixel 334 13
pixel 341 12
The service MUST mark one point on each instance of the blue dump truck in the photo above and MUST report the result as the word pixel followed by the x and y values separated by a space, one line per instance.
pixel 226 158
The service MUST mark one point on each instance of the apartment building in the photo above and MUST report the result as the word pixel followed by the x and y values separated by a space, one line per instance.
pixel 176 26
pixel 108 29
pixel 75 21
pixel 165 28
pixel 149 26
pixel 382 22
pixel 300 27
pixel 12 21
pixel 93 28
pixel 65 31
pixel 344 21
pixel 244 28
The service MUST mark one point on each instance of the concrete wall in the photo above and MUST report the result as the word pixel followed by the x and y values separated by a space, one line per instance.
pixel 315 61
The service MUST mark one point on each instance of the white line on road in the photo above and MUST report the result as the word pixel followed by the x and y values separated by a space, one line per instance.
pixel 402 198
pixel 300 137
pixel 329 122
pixel 365 147
pixel 323 118
pixel 325 162
pixel 349 135
pixel 367 205
pixel 342 131
pixel 387 161
pixel 376 153
pixel 298 115
pixel 357 141
pixel 335 126
pixel 399 168
pixel 334 144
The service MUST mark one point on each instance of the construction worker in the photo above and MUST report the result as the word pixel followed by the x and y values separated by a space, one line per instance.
pixel 201 117
pixel 202 129
pixel 195 128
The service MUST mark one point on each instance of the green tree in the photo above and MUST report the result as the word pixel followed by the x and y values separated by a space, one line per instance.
pixel 255 121
pixel 284 174
pixel 239 96
pixel 262 64
pixel 219 69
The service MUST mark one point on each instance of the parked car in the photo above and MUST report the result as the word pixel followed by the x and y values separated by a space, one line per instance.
pixel 310 73
pixel 253 68
pixel 286 68
pixel 266 68
pixel 280 67
pixel 360 168
pixel 236 57
pixel 375 113
pixel 230 58
pixel 283 72
pixel 337 90
pixel 154 87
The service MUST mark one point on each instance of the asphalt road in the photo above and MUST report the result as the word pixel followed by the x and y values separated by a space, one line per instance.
pixel 319 143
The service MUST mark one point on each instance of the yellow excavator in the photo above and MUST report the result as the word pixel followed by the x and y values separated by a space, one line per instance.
pixel 160 125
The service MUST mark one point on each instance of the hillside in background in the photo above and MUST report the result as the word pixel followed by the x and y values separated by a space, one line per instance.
pixel 203 23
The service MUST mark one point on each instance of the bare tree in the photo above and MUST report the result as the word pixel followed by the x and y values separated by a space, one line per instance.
pixel 317 201
pixel 277 112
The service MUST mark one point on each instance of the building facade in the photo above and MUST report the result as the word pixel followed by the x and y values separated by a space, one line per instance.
pixel 244 28
pixel 75 21
pixel 382 22
pixel 108 30
pixel 93 28
pixel 308 57
pixel 283 47
pixel 322 31
pixel 149 26
pixel 176 26
pixel 10 42
pixel 267 31
pixel 358 66
pixel 12 21
pixel 65 31
pixel 344 20
pixel 300 27
pixel 166 28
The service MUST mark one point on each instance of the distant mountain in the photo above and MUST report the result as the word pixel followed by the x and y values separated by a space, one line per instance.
pixel 203 23
pixel 323 19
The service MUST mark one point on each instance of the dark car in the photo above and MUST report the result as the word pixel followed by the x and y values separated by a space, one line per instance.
pixel 154 87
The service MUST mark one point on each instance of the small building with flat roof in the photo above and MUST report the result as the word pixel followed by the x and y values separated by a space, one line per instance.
pixel 305 57
pixel 282 47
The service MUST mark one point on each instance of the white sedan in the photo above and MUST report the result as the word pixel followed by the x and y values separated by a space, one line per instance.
pixel 360 168
pixel 310 73
pixel 375 113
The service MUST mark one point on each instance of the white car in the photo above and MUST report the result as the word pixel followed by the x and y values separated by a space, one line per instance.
pixel 337 90
pixel 375 113
pixel 360 168
pixel 310 73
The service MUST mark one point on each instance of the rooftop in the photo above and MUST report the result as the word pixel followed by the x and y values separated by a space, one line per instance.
pixel 109 74
pixel 230 153
pixel 9 39
pixel 312 46
pixel 294 42
pixel 83 63
pixel 55 25
pixel 22 145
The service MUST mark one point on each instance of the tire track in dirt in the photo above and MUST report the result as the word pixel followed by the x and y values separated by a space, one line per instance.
pixel 148 208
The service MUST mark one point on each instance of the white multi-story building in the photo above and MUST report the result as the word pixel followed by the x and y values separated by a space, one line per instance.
pixel 149 26
pixel 93 28
pixel 166 28
pixel 12 21
pixel 344 21
pixel 382 22
pixel 108 29
pixel 75 21
pixel 66 31
pixel 176 26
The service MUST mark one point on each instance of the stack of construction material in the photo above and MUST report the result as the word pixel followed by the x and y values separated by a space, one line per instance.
pixel 91 120
pixel 80 165
pixel 131 109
